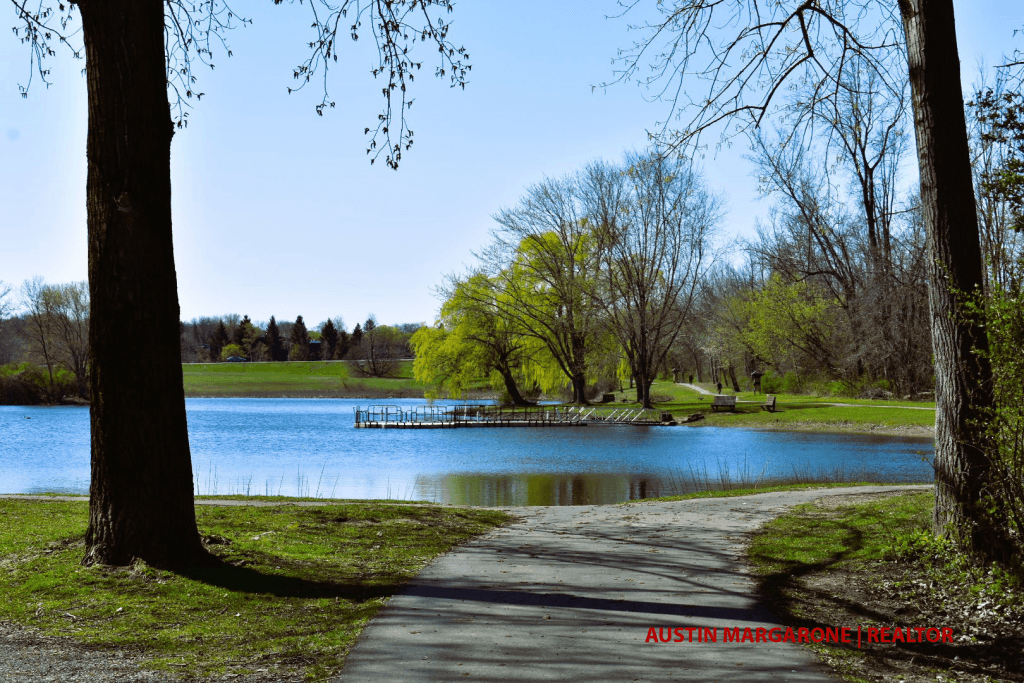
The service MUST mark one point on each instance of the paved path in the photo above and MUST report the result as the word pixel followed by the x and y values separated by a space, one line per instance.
pixel 569 593
pixel 702 390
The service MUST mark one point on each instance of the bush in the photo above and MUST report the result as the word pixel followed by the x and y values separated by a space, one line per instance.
pixel 27 384
pixel 16 390
pixel 792 383
pixel 771 383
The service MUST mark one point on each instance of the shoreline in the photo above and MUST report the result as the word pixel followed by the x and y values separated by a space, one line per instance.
pixel 868 429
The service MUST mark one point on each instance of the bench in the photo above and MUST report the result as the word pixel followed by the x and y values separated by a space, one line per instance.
pixel 769 403
pixel 722 401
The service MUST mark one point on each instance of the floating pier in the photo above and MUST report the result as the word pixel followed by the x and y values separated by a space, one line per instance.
pixel 456 416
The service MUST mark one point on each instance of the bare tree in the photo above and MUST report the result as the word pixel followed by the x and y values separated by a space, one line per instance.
pixel 39 302
pixel 377 351
pixel 71 329
pixel 6 307
pixel 749 52
pixel 656 219
pixel 57 329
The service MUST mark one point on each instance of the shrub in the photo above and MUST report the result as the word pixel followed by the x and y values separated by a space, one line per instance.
pixel 792 383
pixel 771 383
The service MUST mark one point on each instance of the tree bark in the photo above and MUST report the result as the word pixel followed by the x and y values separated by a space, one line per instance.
pixel 141 503
pixel 963 375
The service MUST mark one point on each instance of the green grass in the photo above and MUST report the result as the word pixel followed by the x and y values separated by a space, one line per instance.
pixel 338 379
pixel 811 538
pixel 295 586
pixel 793 411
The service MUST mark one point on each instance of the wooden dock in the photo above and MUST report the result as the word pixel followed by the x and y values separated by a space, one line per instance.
pixel 479 416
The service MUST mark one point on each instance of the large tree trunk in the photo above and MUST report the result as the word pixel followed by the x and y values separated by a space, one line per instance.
pixel 963 377
pixel 141 502
pixel 512 388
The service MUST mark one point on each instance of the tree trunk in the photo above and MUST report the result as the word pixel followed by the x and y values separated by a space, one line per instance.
pixel 963 377
pixel 732 378
pixel 579 389
pixel 141 503
pixel 512 388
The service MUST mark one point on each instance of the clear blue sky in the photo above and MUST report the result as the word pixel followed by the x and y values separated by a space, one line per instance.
pixel 278 212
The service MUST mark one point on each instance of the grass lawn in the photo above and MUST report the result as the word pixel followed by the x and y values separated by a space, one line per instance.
pixel 336 379
pixel 294 588
pixel 796 412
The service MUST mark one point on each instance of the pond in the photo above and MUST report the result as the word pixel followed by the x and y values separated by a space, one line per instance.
pixel 309 447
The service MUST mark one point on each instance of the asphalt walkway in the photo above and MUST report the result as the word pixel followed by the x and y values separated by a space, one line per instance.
pixel 702 390
pixel 570 593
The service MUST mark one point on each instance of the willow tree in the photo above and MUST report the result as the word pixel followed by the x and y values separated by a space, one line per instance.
pixel 473 338
pixel 544 263
pixel 750 54
pixel 139 58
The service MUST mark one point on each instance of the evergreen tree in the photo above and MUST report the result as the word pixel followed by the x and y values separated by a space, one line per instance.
pixel 356 338
pixel 274 345
pixel 344 344
pixel 218 340
pixel 328 339
pixel 240 331
pixel 300 341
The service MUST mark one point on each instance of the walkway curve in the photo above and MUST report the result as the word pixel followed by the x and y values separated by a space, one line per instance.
pixel 570 593
pixel 705 392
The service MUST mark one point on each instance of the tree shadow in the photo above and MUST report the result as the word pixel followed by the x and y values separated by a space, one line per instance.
pixel 234 577
pixel 786 593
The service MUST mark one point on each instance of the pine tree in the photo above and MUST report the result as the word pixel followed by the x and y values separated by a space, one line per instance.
pixel 274 345
pixel 344 344
pixel 218 340
pixel 356 338
pixel 241 329
pixel 328 339
pixel 300 341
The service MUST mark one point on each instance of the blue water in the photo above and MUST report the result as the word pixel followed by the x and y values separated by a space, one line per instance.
pixel 310 447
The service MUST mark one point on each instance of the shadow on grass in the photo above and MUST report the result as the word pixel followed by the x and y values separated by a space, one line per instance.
pixel 234 577
pixel 787 593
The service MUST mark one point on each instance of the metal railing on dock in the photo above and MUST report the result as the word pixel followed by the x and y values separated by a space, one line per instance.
pixel 427 417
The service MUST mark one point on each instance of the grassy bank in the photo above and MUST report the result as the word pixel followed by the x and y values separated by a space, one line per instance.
pixel 340 379
pixel 296 379
pixel 803 413
pixel 295 586
pixel 870 560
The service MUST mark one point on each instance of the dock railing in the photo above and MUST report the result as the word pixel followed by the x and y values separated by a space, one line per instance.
pixel 480 415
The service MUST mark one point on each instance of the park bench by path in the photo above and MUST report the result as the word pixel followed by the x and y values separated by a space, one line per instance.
pixel 769 403
pixel 722 401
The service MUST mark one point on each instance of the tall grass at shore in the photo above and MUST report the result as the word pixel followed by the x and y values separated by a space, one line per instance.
pixel 699 482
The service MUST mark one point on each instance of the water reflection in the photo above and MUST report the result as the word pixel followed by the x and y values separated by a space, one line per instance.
pixel 539 489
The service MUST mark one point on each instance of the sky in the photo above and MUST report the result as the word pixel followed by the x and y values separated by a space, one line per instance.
pixel 278 212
